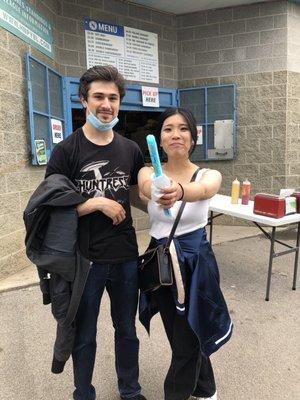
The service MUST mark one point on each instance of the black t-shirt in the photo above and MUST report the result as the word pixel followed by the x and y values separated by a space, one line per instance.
pixel 106 171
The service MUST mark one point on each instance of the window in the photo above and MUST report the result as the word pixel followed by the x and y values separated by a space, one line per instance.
pixel 46 112
pixel 214 110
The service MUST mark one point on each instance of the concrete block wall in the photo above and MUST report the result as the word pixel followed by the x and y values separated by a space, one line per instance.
pixel 17 178
pixel 245 45
pixel 293 97
pixel 293 43
pixel 293 130
pixel 232 41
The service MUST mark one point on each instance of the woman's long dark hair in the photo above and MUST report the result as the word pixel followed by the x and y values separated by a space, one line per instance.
pixel 187 115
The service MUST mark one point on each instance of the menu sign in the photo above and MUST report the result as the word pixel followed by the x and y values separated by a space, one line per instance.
pixel 133 51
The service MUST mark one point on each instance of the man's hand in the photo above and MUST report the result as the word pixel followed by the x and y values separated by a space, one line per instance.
pixel 113 210
pixel 110 208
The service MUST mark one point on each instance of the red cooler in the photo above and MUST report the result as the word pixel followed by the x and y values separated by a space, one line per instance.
pixel 269 205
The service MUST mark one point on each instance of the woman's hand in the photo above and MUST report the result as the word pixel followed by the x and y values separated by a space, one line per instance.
pixel 166 192
pixel 170 195
pixel 158 184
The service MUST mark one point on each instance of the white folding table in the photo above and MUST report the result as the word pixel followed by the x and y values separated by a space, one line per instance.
pixel 222 205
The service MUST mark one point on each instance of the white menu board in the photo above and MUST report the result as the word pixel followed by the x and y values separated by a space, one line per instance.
pixel 133 51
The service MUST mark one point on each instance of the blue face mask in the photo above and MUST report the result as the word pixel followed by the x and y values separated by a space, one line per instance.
pixel 101 126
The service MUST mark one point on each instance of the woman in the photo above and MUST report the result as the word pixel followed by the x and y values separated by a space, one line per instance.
pixel 193 310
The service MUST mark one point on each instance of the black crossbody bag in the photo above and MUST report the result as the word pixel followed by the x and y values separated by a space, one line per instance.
pixel 155 268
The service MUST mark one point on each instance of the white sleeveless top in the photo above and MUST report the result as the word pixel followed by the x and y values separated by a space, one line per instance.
pixel 194 216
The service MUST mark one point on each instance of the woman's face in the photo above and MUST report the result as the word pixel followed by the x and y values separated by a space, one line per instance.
pixel 175 138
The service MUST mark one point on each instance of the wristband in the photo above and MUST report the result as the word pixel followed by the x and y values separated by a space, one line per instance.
pixel 182 190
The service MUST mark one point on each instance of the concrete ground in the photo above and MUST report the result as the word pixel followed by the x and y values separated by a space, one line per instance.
pixel 261 361
pixel 28 276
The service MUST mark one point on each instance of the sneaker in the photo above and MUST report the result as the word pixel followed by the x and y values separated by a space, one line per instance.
pixel 137 397
pixel 214 397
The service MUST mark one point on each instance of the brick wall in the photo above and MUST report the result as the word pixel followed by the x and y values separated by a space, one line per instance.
pixel 247 45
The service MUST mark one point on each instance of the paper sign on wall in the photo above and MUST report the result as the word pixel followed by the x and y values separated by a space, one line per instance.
pixel 150 96
pixel 199 134
pixel 57 130
pixel 40 149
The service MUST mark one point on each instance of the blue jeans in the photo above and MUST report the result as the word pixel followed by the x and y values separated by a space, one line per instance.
pixel 120 281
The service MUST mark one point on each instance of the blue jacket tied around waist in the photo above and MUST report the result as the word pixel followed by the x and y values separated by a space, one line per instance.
pixel 205 305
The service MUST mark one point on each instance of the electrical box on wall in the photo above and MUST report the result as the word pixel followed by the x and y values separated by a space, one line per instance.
pixel 223 140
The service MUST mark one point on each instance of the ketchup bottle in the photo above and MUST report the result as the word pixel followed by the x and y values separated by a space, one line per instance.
pixel 245 192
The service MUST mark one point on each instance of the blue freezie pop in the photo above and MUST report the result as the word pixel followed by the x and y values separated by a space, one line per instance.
pixel 152 146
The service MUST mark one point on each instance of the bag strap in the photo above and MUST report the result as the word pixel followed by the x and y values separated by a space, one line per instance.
pixel 178 216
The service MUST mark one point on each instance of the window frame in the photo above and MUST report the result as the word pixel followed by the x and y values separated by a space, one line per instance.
pixel 206 124
pixel 32 111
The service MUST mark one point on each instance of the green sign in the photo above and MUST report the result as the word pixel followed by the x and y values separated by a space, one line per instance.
pixel 18 17
pixel 40 149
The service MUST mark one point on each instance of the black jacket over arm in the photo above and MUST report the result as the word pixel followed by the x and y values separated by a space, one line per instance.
pixel 51 222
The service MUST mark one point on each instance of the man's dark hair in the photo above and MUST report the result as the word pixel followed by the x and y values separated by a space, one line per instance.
pixel 106 73
pixel 187 115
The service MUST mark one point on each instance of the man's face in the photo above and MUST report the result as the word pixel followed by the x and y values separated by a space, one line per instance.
pixel 103 100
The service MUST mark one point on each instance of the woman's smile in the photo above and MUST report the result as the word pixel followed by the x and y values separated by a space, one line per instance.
pixel 176 144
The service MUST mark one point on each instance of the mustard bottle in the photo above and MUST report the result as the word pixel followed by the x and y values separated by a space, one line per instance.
pixel 235 191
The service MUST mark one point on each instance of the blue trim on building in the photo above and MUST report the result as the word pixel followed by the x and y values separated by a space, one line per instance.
pixel 205 138
pixel 234 125
pixel 30 112
pixel 132 100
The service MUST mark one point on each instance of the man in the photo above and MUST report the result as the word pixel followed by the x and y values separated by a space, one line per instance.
pixel 104 167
